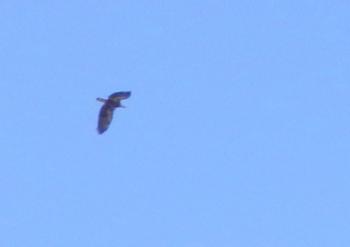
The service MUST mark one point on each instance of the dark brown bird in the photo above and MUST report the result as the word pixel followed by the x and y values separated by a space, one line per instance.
pixel 106 113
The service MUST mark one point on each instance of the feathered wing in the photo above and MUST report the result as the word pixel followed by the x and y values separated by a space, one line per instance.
pixel 105 118
pixel 119 96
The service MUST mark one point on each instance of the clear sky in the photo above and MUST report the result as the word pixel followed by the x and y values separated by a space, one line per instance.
pixel 237 132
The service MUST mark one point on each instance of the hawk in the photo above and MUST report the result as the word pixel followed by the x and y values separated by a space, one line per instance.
pixel 106 113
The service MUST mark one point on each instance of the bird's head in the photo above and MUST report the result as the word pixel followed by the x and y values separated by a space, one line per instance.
pixel 101 99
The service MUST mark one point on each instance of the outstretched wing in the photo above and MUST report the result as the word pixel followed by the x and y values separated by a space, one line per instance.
pixel 105 118
pixel 119 96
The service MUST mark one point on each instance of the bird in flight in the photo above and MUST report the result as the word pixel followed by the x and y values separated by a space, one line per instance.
pixel 106 113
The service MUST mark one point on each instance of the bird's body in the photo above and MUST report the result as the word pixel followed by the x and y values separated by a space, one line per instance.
pixel 106 113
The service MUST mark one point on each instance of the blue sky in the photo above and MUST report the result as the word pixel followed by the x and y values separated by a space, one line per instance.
pixel 236 134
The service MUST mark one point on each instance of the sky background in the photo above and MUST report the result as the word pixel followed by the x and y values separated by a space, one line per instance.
pixel 237 132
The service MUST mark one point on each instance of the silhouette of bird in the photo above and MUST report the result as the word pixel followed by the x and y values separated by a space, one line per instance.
pixel 106 113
